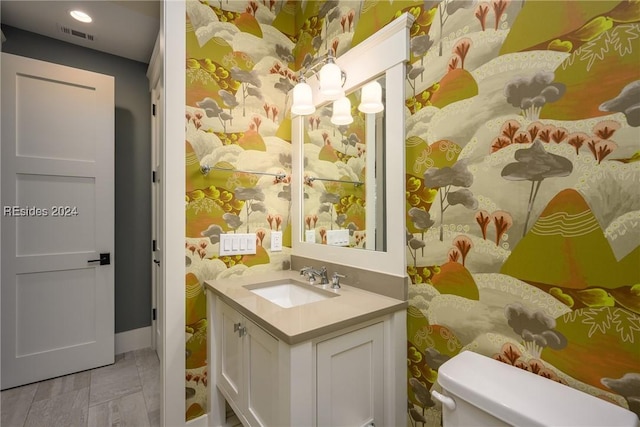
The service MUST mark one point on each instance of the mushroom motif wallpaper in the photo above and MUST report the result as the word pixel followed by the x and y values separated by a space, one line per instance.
pixel 522 172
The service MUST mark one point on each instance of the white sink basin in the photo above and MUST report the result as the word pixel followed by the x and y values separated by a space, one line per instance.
pixel 289 294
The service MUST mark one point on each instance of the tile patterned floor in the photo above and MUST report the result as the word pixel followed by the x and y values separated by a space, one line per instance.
pixel 126 393
pixel 231 420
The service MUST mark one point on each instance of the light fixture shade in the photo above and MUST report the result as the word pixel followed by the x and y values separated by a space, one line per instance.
pixel 371 99
pixel 302 100
pixel 331 82
pixel 341 112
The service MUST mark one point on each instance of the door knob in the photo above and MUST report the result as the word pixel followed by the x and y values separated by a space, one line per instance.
pixel 105 259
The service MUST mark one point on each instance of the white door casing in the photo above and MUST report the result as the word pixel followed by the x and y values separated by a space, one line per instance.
pixel 172 309
pixel 154 74
pixel 157 235
pixel 57 197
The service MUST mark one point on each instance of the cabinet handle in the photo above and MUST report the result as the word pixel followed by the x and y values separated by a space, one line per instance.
pixel 242 331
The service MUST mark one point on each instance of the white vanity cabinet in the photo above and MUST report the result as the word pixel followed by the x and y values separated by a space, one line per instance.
pixel 347 377
pixel 247 367
pixel 350 378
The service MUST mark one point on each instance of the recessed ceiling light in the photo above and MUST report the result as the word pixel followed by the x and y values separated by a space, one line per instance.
pixel 80 16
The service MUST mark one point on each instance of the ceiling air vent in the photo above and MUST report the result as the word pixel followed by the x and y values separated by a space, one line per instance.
pixel 76 33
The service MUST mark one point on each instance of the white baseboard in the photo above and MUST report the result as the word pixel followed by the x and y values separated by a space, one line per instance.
pixel 134 339
pixel 201 421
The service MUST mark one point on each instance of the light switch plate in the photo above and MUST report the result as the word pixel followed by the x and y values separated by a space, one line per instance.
pixel 338 237
pixel 276 241
pixel 237 244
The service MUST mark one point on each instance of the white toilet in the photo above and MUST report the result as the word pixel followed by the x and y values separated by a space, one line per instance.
pixel 480 391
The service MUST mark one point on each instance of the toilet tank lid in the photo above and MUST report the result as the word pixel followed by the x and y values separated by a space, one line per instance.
pixel 519 397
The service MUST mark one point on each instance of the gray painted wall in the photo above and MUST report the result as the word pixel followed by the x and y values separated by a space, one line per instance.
pixel 132 168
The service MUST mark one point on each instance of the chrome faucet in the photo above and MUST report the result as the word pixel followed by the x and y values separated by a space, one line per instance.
pixel 312 274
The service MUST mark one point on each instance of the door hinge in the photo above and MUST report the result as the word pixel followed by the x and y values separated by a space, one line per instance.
pixel 153 313
pixel 153 109
pixel 153 176
pixel 154 245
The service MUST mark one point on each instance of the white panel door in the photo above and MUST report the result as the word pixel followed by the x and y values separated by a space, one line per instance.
pixel 57 197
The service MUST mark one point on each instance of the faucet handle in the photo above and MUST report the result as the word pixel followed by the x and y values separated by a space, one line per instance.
pixel 309 273
pixel 303 270
pixel 335 280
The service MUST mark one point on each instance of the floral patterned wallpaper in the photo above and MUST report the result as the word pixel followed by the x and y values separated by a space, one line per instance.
pixel 238 74
pixel 522 175
pixel 522 198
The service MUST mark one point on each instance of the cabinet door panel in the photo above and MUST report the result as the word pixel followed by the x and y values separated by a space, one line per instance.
pixel 230 363
pixel 261 358
pixel 350 372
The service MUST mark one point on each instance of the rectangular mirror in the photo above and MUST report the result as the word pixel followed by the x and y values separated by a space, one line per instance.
pixel 356 199
pixel 344 165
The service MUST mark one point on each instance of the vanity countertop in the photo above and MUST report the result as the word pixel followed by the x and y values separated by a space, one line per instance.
pixel 301 323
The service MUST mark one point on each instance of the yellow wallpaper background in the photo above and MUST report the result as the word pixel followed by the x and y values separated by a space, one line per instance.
pixel 522 148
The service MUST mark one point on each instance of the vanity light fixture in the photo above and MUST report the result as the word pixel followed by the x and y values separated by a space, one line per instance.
pixel 341 112
pixel 371 98
pixel 331 80
pixel 302 98
pixel 80 16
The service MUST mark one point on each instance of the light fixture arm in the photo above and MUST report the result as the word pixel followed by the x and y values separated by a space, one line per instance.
pixel 331 79
pixel 311 69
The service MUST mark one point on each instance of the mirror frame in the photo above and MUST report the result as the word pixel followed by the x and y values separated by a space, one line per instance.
pixel 385 52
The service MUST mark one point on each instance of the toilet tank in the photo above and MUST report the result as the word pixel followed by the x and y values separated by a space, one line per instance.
pixel 480 391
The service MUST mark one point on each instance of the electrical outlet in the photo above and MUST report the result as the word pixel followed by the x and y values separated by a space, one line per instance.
pixel 276 241
pixel 310 236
